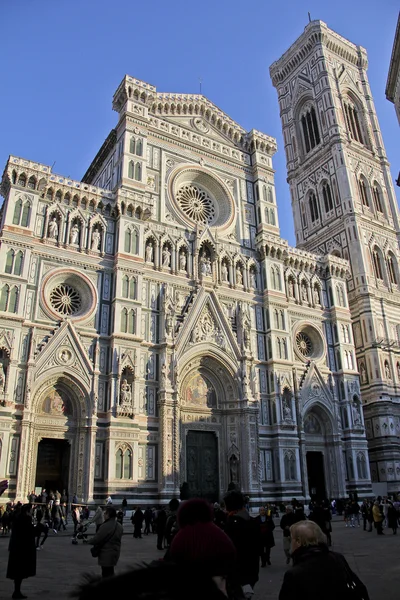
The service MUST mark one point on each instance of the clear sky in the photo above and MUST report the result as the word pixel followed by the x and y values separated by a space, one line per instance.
pixel 62 60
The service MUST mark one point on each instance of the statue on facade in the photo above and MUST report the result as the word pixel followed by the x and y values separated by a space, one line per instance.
pixel 363 373
pixel 149 252
pixel 2 375
pixel 316 296
pixel 356 414
pixel 205 265
pixel 166 257
pixel 96 237
pixel 304 293
pixel 286 410
pixel 125 394
pixel 246 336
pixel 182 261
pixel 74 235
pixel 253 279
pixel 168 321
pixel 234 469
pixel 291 288
pixel 387 371
pixel 239 276
pixel 224 272
pixel 53 229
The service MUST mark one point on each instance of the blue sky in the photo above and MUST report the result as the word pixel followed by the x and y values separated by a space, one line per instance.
pixel 61 61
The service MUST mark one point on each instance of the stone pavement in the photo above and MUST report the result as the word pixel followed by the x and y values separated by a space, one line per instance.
pixel 59 566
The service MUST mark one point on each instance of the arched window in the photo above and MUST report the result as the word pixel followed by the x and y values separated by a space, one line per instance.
pixel 128 235
pixel 127 458
pixel 125 286
pixel 303 215
pixel 270 195
pixel 18 263
pixel 22 180
pixel 376 194
pixel 264 189
pixel 327 195
pixel 132 288
pixel 132 322
pixel 138 172
pixel 119 465
pixel 131 169
pixel 290 466
pixel 272 216
pixel 276 318
pixel 9 261
pixel 284 349
pixel 135 241
pixel 361 466
pixel 363 192
pixel 132 146
pixel 124 320
pixel 13 303
pixel 279 347
pixel 139 147
pixel 313 207
pixel 17 212
pixel 353 121
pixel 26 214
pixel 5 291
pixel 267 216
pixel 376 257
pixel 392 268
pixel 310 130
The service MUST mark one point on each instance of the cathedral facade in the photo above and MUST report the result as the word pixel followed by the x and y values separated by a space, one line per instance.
pixel 156 330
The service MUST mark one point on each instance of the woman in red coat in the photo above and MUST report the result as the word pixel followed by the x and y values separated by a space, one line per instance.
pixel 22 548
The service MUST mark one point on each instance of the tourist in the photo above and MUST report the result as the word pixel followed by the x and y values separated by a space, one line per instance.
pixel 108 542
pixel 98 518
pixel 22 550
pixel 5 521
pixel 137 522
pixel 63 519
pixel 220 516
pixel 366 513
pixel 322 519
pixel 392 517
pixel 317 572
pixel 287 520
pixel 109 500
pixel 56 515
pixel 41 527
pixel 244 534
pixel 124 505
pixel 354 513
pixel 160 522
pixel 378 517
pixel 148 519
pixel 266 527
pixel 172 526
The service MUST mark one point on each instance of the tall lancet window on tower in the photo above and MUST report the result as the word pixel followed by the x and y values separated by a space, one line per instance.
pixel 313 208
pixel 353 120
pixel 310 129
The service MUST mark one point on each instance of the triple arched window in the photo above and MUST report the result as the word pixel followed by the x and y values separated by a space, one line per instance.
pixel 123 464
pixel 22 213
pixel 14 262
pixel 310 129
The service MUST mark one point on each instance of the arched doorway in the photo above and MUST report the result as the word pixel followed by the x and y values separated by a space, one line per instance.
pixel 209 439
pixel 58 439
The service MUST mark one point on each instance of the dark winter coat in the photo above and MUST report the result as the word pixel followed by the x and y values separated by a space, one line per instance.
pixel 392 516
pixel 22 548
pixel 108 537
pixel 137 518
pixel 317 573
pixel 319 517
pixel 266 528
pixel 244 533
pixel 287 521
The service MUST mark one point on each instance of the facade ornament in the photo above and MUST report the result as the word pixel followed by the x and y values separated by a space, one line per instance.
pixel 316 296
pixel 96 237
pixel 125 406
pixel 286 410
pixel 2 376
pixel 74 235
pixel 53 229
pixel 166 257
pixel 224 272
pixel 205 265
pixel 149 252
pixel 182 260
pixel 356 414
pixel 253 279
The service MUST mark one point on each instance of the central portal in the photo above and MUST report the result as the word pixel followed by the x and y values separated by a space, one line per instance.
pixel 316 475
pixel 52 469
pixel 202 465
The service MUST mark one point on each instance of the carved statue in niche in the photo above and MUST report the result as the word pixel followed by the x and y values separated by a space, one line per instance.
pixel 205 264
pixel 234 469
pixel 286 410
pixel 53 229
pixel 2 375
pixel 355 411
pixel 224 272
pixel 387 371
pixel 125 393
pixel 316 296
pixel 363 373
pixel 303 292
pixel 74 235
pixel 291 288
pixel 182 260
pixel 149 252
pixel 169 323
pixel 166 257
pixel 96 237
pixel 253 279
pixel 239 275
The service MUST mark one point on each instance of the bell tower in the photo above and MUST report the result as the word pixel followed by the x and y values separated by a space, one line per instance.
pixel 344 203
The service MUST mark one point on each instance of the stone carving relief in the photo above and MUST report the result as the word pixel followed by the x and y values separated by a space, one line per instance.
pixel 311 424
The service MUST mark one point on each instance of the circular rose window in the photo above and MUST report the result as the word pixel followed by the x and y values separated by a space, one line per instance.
pixel 201 197
pixel 65 300
pixel 308 343
pixel 67 293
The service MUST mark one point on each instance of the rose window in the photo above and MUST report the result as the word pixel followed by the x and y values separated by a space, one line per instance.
pixel 65 300
pixel 196 204
pixel 304 344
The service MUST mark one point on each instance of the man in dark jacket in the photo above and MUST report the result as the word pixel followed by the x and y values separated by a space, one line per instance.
pixel 137 522
pixel 288 519
pixel 22 557
pixel 244 534
pixel 317 572
pixel 160 521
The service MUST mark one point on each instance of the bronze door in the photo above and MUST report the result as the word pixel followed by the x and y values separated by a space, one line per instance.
pixel 202 465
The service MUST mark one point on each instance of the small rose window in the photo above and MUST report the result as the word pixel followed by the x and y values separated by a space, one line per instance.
pixel 65 300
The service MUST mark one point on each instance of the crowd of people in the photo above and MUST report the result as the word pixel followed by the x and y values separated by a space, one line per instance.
pixel 228 542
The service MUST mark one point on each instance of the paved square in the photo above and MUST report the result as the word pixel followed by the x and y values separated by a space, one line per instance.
pixel 59 566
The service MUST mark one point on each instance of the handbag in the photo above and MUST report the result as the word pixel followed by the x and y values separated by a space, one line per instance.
pixel 355 589
pixel 95 550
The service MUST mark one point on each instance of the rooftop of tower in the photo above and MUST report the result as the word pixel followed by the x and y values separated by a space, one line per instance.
pixel 316 32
